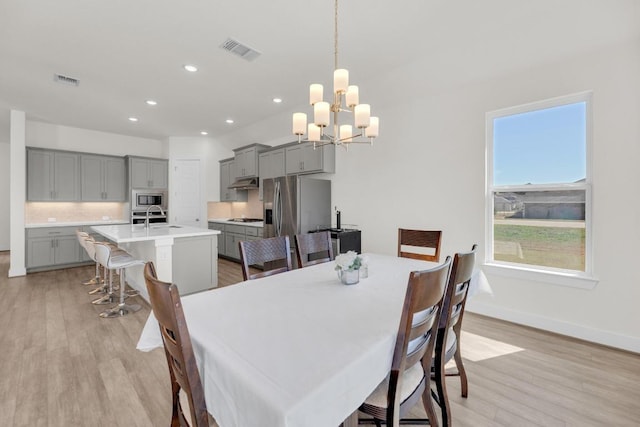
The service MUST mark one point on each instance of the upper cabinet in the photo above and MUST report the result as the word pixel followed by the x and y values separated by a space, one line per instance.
pixel 52 176
pixel 302 158
pixel 227 174
pixel 147 173
pixel 272 165
pixel 246 161
pixel 103 178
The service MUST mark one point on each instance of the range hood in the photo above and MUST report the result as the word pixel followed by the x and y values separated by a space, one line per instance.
pixel 244 184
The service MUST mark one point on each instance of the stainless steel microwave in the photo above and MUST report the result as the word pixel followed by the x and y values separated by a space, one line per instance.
pixel 142 199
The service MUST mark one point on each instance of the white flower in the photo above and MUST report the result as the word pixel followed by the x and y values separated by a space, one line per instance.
pixel 349 261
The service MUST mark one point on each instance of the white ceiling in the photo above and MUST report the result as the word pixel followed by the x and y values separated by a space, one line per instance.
pixel 124 52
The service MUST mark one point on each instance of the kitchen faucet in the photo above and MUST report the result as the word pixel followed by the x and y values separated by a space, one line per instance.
pixel 146 219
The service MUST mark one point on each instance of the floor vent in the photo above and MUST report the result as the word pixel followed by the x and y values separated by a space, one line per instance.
pixel 237 48
pixel 66 80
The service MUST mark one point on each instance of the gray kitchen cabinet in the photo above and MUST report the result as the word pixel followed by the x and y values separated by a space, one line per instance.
pixel 227 177
pixel 52 176
pixel 272 165
pixel 234 234
pixel 231 235
pixel 52 247
pixel 302 158
pixel 221 241
pixel 147 173
pixel 103 178
pixel 246 161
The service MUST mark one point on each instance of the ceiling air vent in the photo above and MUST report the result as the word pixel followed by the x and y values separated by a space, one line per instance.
pixel 66 80
pixel 237 48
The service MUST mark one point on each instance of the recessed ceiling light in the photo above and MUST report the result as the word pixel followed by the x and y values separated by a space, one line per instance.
pixel 133 119
pixel 204 132
pixel 191 68
pixel 151 102
pixel 229 121
pixel 277 100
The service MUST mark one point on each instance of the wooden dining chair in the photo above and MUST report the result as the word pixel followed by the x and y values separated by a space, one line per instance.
pixel 419 244
pixel 167 309
pixel 274 253
pixel 313 248
pixel 410 377
pixel 448 339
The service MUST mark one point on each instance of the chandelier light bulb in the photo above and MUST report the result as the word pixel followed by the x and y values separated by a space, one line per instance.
pixel 352 96
pixel 315 93
pixel 372 130
pixel 340 80
pixel 321 113
pixel 313 132
pixel 346 133
pixel 299 123
pixel 362 114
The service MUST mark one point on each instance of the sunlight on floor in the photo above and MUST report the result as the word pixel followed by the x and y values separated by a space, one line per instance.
pixel 477 348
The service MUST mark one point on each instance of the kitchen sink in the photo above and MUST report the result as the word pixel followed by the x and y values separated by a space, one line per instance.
pixel 165 226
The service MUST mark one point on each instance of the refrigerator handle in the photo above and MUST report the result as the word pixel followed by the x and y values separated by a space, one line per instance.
pixel 276 208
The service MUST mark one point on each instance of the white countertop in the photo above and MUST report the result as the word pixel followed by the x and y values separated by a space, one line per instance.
pixel 137 233
pixel 74 223
pixel 258 224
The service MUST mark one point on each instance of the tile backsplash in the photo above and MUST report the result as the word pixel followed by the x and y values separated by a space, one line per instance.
pixel 42 212
pixel 252 208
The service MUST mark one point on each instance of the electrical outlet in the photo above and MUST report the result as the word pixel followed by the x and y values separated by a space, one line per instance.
pixel 105 217
pixel 51 219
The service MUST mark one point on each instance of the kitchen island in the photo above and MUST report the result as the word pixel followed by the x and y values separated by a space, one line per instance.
pixel 186 256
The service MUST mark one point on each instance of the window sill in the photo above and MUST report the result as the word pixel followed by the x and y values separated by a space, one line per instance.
pixel 573 280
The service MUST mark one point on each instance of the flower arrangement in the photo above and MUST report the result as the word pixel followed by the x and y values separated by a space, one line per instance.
pixel 349 261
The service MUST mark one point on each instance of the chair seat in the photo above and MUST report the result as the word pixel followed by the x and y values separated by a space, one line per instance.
pixel 410 381
pixel 123 261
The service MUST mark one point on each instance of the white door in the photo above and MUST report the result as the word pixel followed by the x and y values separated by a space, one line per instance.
pixel 186 204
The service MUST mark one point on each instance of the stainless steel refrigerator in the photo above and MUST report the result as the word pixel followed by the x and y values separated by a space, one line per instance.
pixel 296 204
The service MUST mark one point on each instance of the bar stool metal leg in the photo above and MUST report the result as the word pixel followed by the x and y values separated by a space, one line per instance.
pixel 122 309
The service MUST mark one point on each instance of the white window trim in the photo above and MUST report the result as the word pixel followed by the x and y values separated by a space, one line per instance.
pixel 584 280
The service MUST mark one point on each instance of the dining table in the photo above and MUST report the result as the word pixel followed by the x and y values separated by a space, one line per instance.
pixel 298 348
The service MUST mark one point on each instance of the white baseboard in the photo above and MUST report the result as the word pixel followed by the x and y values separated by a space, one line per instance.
pixel 16 272
pixel 607 338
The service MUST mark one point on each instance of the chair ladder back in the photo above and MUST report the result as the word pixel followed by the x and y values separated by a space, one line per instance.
pixel 317 245
pixel 273 249
pixel 419 239
pixel 419 321
pixel 183 370
pixel 451 322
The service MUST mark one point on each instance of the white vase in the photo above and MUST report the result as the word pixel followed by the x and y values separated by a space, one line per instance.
pixel 349 277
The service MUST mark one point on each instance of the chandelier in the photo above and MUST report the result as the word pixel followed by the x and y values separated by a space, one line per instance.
pixel 346 99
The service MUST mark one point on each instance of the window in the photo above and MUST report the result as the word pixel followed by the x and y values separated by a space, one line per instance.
pixel 539 198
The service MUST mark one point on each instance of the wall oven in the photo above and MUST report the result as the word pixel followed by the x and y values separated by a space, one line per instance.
pixel 141 202
pixel 155 216
pixel 142 199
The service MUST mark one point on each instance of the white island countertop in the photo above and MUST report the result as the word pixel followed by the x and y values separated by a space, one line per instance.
pixel 138 233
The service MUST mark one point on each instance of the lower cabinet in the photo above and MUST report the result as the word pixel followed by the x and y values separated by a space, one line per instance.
pixel 220 228
pixel 52 247
pixel 233 235
pixel 230 237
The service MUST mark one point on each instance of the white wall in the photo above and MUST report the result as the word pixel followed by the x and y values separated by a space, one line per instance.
pixel 46 135
pixel 4 195
pixel 427 170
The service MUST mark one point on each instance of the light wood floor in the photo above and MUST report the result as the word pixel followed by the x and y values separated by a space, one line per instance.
pixel 61 365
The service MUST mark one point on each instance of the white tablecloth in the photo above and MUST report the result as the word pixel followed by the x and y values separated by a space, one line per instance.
pixel 295 349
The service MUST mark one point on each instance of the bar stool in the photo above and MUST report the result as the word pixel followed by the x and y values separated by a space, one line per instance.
pixel 107 284
pixel 107 258
pixel 82 237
